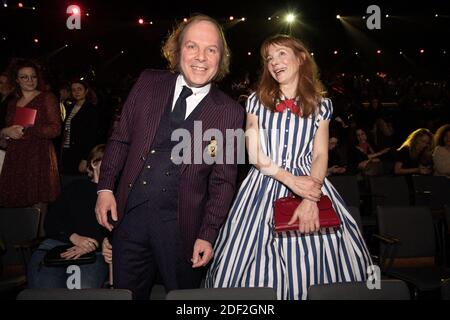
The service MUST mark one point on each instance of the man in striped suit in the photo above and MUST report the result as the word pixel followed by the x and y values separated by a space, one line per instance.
pixel 167 216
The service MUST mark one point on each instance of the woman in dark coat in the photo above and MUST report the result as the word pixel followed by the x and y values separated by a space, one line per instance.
pixel 80 130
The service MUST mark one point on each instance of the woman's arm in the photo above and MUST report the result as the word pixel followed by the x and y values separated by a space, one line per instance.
pixel 399 170
pixel 304 186
pixel 320 151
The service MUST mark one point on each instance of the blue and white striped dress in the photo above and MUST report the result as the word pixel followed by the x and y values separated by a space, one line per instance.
pixel 249 254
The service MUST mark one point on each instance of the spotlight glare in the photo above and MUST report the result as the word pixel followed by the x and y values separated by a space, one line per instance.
pixel 387 16
pixel 338 16
pixel 36 40
pixel 66 45
pixel 401 52
pixel 185 19
pixel 269 18
pixel 96 47
pixel 422 51
pixel 436 15
pixel 122 52
pixel 290 18
pixel 243 19
pixel 356 53
pixel 231 18
pixel 5 5
pixel 335 52
pixel 312 54
pixel 20 5
pixel 249 53
pixel 87 14
pixel 141 21
pixel 378 51
pixel 76 11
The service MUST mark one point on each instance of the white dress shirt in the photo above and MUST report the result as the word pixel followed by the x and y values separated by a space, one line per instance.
pixel 193 100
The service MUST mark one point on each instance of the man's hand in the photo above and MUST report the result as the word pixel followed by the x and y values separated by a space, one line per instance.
pixel 203 253
pixel 106 203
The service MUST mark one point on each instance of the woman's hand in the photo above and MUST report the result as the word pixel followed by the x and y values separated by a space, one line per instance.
pixel 86 243
pixel 74 252
pixel 14 132
pixel 107 251
pixel 424 170
pixel 305 186
pixel 307 214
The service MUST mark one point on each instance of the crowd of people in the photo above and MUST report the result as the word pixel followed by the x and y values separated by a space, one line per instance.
pixel 157 218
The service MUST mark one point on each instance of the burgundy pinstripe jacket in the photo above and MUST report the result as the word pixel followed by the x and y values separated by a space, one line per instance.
pixel 205 191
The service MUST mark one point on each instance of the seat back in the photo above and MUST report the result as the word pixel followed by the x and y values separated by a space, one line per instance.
pixel 80 294
pixel 389 191
pixel 432 191
pixel 389 290
pixel 413 226
pixel 347 187
pixel 17 225
pixel 223 294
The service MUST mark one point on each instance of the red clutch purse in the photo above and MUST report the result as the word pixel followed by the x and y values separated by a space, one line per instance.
pixel 285 207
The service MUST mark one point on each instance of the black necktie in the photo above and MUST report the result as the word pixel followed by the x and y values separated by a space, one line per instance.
pixel 179 111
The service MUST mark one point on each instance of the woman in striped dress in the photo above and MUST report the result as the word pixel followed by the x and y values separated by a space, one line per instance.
pixel 287 119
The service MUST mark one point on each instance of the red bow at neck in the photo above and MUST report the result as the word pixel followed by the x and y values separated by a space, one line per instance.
pixel 289 104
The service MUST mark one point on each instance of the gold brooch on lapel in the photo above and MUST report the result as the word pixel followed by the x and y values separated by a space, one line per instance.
pixel 212 147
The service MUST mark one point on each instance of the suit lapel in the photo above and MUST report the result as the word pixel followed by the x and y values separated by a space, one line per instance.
pixel 209 117
pixel 155 105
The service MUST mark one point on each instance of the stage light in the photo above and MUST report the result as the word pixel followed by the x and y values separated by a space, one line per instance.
pixel 87 14
pixel 141 21
pixel 151 22
pixel 185 19
pixel 242 19
pixel 5 5
pixel 335 52
pixel 20 5
pixel 401 52
pixel 356 53
pixel 312 54
pixel 76 11
pixel 96 47
pixel 387 16
pixel 66 45
pixel 36 40
pixel 436 15
pixel 338 16
pixel 378 51
pixel 269 18
pixel 422 51
pixel 34 8
pixel 122 52
pixel 231 18
pixel 249 53
pixel 290 18
pixel 443 52
pixel 364 17
pixel 82 78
